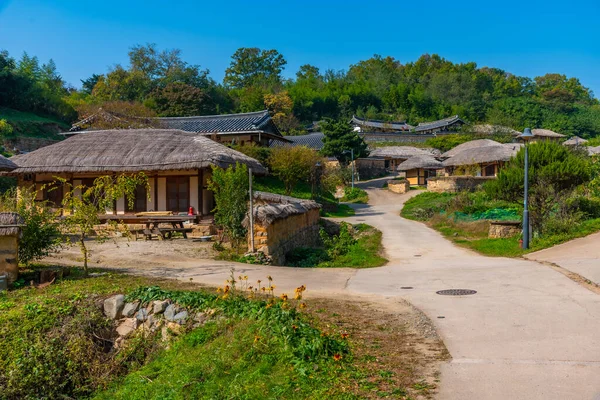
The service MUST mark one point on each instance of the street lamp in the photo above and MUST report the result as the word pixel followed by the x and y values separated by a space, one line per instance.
pixel 526 136
pixel 351 151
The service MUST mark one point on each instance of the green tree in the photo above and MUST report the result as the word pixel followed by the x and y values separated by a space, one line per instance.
pixel 82 206
pixel 178 99
pixel 251 66
pixel 41 234
pixel 341 138
pixel 230 188
pixel 293 164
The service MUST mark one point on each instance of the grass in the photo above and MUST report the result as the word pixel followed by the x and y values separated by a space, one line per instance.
pixel 355 195
pixel 31 125
pixel 260 347
pixel 430 208
pixel 341 211
pixel 365 252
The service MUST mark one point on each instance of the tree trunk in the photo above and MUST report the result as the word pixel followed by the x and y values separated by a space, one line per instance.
pixel 84 251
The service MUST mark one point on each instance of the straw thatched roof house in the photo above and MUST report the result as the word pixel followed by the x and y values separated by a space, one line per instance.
pixel 253 127
pixel 574 141
pixel 473 144
pixel 545 134
pixel 6 164
pixel 177 163
pixel 482 160
pixel 419 168
pixel 393 156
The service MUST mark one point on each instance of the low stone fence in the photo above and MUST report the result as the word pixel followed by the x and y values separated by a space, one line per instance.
pixel 10 233
pixel 504 229
pixel 283 223
pixel 456 183
pixel 400 187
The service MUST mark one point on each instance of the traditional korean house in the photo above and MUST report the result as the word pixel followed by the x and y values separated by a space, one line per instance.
pixel 419 168
pixel 177 163
pixel 254 127
pixel 366 125
pixel 575 141
pixel 451 124
pixel 545 134
pixel 485 160
pixel 395 155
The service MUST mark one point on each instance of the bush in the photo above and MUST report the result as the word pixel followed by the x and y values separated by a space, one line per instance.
pixel 338 245
pixel 589 206
pixel 41 234
pixel 355 195
pixel 306 257
pixel 293 164
pixel 425 205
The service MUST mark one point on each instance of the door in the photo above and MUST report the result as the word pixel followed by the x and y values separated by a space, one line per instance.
pixel 178 193
pixel 139 200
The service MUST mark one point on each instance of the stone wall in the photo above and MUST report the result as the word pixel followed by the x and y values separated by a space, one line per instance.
pixel 399 187
pixel 368 168
pixel 286 234
pixel 9 249
pixel 456 183
pixel 504 229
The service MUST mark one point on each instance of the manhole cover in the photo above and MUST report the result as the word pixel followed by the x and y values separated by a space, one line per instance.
pixel 456 292
pixel 406 287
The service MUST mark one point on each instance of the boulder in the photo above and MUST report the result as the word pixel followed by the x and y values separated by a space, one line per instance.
pixel 150 323
pixel 142 315
pixel 159 306
pixel 181 317
pixel 127 326
pixel 113 306
pixel 130 308
pixel 170 312
pixel 200 317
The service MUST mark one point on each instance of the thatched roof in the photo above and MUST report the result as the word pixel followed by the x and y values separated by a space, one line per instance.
pixel 546 133
pixel 278 207
pixel 574 141
pixel 487 129
pixel 478 155
pixel 593 150
pixel 420 161
pixel 10 223
pixel 400 152
pixel 6 164
pixel 473 144
pixel 131 150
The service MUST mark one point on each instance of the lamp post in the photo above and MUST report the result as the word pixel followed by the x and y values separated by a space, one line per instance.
pixel 526 137
pixel 351 151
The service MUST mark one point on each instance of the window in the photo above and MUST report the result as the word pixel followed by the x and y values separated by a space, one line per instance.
pixel 139 201
pixel 490 170
pixel 178 193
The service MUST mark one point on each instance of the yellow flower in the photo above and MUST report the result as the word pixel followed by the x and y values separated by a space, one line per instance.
pixel 269 278
pixel 302 305
pixel 284 297
pixel 298 296
pixel 345 335
pixel 294 327
pixel 337 357
pixel 263 288
pixel 245 277
pixel 256 339
pixel 269 305
pixel 259 281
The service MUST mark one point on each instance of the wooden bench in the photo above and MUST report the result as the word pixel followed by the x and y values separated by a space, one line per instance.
pixel 168 232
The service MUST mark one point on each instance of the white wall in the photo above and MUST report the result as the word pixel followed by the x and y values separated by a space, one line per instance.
pixel 194 193
pixel 162 194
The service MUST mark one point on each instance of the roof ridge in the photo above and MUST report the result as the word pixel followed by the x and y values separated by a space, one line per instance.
pixel 263 112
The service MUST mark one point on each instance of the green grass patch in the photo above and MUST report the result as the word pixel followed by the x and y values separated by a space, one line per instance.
pixel 12 115
pixel 425 205
pixel 355 195
pixel 31 125
pixel 355 247
pixel 341 211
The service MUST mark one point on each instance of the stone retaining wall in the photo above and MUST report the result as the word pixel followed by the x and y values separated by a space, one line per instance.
pixel 456 183
pixel 399 187
pixel 504 229
pixel 284 235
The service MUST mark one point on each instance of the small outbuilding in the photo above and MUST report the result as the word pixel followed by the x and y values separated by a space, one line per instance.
pixel 393 156
pixel 10 233
pixel 575 141
pixel 418 169
pixel 481 161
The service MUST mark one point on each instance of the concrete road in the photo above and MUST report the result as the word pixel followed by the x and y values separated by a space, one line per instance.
pixel 528 333
pixel 581 256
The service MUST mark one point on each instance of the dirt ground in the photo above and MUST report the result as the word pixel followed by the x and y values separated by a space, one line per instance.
pixel 396 342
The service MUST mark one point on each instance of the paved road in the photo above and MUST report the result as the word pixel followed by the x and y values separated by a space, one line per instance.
pixel 529 332
pixel 581 256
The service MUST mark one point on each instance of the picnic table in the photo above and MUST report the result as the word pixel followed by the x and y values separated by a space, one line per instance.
pixel 155 225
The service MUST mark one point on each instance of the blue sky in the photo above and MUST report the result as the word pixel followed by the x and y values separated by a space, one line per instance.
pixel 524 37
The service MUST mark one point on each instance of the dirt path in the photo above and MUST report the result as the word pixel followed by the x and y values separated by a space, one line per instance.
pixel 528 333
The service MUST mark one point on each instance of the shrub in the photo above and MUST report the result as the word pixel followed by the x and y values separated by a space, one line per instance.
pixel 41 232
pixel 426 205
pixel 338 245
pixel 589 206
pixel 355 195
pixel 293 164
pixel 230 188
